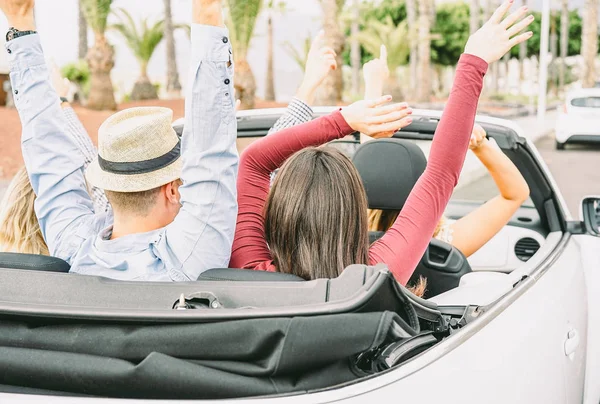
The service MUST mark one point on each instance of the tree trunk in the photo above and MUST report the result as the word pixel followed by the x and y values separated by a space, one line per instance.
pixel 245 86
pixel 330 92
pixel 100 59
pixel 495 67
pixel 589 42
pixel 173 84
pixel 355 48
pixel 143 89
pixel 554 52
pixel 523 51
pixel 474 16
pixel 564 43
pixel 424 47
pixel 83 35
pixel 270 80
pixel 411 16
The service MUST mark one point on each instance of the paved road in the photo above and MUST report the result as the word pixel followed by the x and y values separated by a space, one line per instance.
pixel 575 169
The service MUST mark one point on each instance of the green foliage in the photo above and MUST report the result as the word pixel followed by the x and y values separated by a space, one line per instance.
pixel 300 57
pixel 142 42
pixel 452 29
pixel 575 31
pixel 394 9
pixel 242 16
pixel 78 73
pixel 394 37
pixel 96 13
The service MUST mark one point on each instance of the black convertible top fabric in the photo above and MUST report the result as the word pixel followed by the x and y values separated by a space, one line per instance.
pixel 216 360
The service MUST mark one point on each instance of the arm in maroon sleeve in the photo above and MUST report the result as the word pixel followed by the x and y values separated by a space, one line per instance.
pixel 257 163
pixel 404 243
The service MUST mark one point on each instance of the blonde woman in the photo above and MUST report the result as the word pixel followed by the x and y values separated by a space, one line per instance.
pixel 471 232
pixel 19 228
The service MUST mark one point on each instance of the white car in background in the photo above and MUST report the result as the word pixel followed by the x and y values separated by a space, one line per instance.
pixel 579 119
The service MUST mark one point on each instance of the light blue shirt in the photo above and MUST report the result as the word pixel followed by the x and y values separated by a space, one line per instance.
pixel 201 235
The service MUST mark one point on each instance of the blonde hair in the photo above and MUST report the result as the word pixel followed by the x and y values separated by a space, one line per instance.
pixel 382 220
pixel 19 228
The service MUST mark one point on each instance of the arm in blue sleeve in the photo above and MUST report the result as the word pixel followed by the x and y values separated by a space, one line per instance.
pixel 201 235
pixel 52 158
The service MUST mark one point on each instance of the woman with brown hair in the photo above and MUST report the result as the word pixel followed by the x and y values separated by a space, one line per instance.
pixel 313 222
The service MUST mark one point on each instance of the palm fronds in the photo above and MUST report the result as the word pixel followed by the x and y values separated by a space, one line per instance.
pixel 394 37
pixel 142 40
pixel 96 13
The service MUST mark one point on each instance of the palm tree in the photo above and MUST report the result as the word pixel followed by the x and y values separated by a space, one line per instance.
pixel 424 47
pixel 330 92
pixel 142 43
pixel 589 42
pixel 564 42
pixel 100 57
pixel 173 84
pixel 243 14
pixel 411 16
pixel 394 37
pixel 300 57
pixel 271 9
pixel 355 47
pixel 83 34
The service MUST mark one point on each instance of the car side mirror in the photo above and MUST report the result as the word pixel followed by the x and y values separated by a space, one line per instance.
pixel 590 214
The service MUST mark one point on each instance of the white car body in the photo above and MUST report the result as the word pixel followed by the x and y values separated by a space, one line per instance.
pixel 538 343
pixel 579 119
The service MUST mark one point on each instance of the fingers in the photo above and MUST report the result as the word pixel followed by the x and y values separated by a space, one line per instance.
pixel 392 126
pixel 501 11
pixel 317 42
pixel 237 104
pixel 378 101
pixel 520 26
pixel 386 109
pixel 383 54
pixel 514 17
pixel 390 117
pixel 520 38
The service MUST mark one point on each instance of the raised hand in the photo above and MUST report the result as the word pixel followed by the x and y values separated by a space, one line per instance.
pixel 497 36
pixel 375 119
pixel 478 138
pixel 376 72
pixel 61 84
pixel 321 60
pixel 19 13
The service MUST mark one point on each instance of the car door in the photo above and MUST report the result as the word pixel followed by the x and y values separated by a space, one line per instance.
pixel 589 247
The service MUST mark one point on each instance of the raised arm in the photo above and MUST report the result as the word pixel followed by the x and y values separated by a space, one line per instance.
pixel 404 243
pixel 471 232
pixel 79 135
pixel 52 158
pixel 200 237
pixel 269 153
pixel 320 61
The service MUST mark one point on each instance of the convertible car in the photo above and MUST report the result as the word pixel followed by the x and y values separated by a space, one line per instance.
pixel 518 322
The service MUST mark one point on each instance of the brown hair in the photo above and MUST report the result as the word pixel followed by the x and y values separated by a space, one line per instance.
pixel 19 228
pixel 316 215
pixel 135 203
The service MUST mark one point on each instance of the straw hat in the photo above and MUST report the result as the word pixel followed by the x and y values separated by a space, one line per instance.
pixel 138 150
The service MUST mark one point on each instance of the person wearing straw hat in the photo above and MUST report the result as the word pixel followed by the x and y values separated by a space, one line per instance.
pixel 174 201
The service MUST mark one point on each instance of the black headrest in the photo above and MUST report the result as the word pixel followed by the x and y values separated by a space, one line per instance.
pixel 246 275
pixel 389 169
pixel 33 262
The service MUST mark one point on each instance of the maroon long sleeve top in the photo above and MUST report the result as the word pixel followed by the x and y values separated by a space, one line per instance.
pixel 403 245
